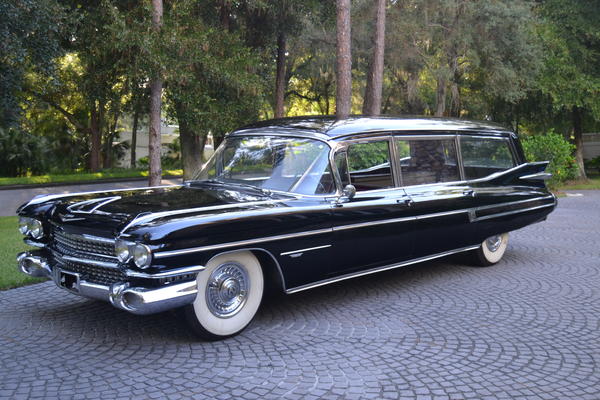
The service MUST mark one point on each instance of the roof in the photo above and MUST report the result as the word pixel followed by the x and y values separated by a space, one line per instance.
pixel 329 127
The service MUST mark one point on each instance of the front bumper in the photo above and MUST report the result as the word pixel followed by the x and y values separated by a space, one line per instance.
pixel 136 300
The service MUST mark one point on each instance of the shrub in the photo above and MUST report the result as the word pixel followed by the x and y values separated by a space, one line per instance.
pixel 556 149
pixel 21 153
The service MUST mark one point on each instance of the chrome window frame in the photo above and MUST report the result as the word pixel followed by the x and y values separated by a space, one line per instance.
pixel 510 144
pixel 332 147
pixel 442 136
pixel 344 144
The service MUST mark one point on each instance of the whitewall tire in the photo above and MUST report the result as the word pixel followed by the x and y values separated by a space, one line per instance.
pixel 491 250
pixel 230 291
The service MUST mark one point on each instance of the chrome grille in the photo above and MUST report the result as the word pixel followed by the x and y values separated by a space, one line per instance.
pixel 95 274
pixel 92 257
pixel 70 244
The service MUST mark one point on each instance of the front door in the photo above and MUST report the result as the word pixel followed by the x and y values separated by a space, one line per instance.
pixel 373 228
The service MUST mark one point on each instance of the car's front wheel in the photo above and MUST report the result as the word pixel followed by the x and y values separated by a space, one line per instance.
pixel 491 250
pixel 230 290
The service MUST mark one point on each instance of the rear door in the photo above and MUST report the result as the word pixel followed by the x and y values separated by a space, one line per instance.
pixel 431 176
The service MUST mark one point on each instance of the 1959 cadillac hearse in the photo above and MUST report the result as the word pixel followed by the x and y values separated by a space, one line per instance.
pixel 293 204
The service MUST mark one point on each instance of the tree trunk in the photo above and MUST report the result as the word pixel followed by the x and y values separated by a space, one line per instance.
pixel 415 105
pixel 192 145
pixel 454 100
pixel 578 133
pixel 136 116
pixel 280 76
pixel 224 12
pixel 96 136
pixel 440 97
pixel 372 102
pixel 154 145
pixel 343 96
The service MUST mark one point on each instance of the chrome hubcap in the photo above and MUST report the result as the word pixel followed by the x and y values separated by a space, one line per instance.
pixel 227 290
pixel 493 243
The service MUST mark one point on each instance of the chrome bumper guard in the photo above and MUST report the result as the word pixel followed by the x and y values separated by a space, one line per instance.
pixel 136 300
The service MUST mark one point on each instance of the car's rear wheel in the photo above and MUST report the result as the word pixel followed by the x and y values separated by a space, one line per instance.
pixel 491 250
pixel 230 291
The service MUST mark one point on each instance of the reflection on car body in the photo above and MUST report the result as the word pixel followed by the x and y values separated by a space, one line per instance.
pixel 290 204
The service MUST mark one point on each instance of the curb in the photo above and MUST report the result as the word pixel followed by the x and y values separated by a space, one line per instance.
pixel 86 182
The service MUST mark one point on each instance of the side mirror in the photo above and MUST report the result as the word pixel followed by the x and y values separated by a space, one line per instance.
pixel 349 192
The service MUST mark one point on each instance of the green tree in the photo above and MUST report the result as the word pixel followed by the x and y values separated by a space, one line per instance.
pixel 31 32
pixel 571 75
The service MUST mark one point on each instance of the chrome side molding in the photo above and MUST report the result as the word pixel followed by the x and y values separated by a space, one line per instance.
pixel 378 269
pixel 540 176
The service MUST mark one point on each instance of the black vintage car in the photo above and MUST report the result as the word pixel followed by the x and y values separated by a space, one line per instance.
pixel 292 204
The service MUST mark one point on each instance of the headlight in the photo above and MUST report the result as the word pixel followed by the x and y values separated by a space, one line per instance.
pixel 24 225
pixel 31 227
pixel 122 250
pixel 142 256
pixel 35 229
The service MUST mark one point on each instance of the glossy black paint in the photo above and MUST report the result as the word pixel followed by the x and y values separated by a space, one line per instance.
pixel 189 224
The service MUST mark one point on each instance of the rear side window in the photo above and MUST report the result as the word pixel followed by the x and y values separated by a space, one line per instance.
pixel 369 165
pixel 484 156
pixel 425 161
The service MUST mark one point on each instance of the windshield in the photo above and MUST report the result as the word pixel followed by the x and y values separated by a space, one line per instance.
pixel 271 162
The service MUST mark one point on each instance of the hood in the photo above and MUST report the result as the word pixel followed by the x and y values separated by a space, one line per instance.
pixel 116 210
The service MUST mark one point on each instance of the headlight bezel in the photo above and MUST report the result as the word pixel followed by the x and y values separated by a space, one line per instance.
pixel 24 225
pixel 141 255
pixel 123 250
pixel 31 227
pixel 36 229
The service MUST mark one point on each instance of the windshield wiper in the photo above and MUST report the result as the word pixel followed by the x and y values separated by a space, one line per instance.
pixel 252 187
pixel 239 184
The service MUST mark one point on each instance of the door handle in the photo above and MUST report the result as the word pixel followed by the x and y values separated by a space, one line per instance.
pixel 469 192
pixel 405 202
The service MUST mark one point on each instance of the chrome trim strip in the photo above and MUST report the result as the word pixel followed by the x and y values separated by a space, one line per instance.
pixel 377 269
pixel 239 243
pixel 373 223
pixel 86 261
pixel 485 133
pixel 166 274
pixel 287 253
pixel 32 243
pixel 502 214
pixel 100 202
pixel 442 214
pixel 93 238
pixel 510 203
pixel 540 176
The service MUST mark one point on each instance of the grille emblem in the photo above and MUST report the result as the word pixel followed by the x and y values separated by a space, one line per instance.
pixel 69 217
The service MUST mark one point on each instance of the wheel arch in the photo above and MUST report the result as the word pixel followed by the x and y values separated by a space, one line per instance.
pixel 273 275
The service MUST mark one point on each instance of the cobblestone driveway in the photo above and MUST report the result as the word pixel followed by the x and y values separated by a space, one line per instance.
pixel 528 328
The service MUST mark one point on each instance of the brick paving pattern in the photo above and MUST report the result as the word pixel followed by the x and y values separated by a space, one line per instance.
pixel 528 328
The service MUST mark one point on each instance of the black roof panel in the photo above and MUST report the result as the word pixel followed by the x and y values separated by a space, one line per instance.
pixel 328 126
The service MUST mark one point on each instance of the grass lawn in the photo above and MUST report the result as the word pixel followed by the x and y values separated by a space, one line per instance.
pixel 82 176
pixel 592 183
pixel 11 242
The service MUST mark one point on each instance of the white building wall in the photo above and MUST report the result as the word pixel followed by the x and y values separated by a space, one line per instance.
pixel 591 145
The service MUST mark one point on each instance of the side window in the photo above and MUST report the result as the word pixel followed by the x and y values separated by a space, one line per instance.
pixel 484 156
pixel 424 161
pixel 341 163
pixel 369 165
